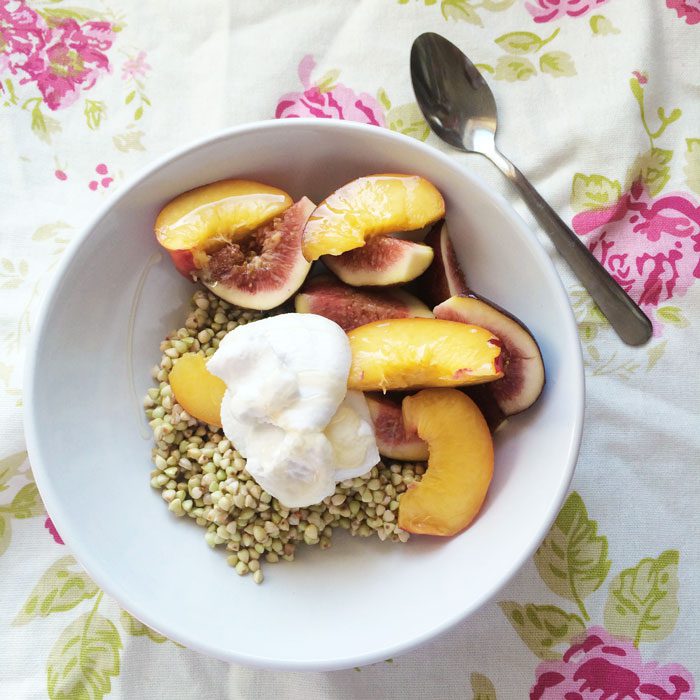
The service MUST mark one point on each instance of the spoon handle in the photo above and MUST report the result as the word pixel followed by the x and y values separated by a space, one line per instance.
pixel 628 320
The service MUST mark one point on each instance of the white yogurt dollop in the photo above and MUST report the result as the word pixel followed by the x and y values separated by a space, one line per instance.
pixel 287 409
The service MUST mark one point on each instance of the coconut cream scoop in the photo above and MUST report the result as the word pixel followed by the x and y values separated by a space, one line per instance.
pixel 287 409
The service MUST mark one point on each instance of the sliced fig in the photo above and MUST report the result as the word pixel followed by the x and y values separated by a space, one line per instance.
pixel 351 307
pixel 265 268
pixel 381 261
pixel 393 440
pixel 444 278
pixel 482 396
pixel 524 374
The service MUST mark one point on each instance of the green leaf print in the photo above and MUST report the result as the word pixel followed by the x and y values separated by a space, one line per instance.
pixel 521 43
pixel 602 25
pixel 49 231
pixel 557 63
pixel 9 467
pixel 94 113
pixel 652 168
pixel 655 353
pixel 407 119
pixel 328 81
pixel 460 11
pixel 573 559
pixel 57 14
pixel 692 164
pixel 672 315
pixel 496 5
pixel 593 192
pixel 137 629
pixel 384 99
pixel 26 503
pixel 512 69
pixel 482 687
pixel 42 125
pixel 643 601
pixel 542 627
pixel 5 533
pixel 61 588
pixel 129 141
pixel 84 658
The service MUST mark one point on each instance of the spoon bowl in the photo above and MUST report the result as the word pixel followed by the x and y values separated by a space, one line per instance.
pixel 453 95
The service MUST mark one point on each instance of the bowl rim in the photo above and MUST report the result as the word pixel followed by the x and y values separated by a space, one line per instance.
pixel 42 472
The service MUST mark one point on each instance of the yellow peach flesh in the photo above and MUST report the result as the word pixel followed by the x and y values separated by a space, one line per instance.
pixel 370 206
pixel 214 214
pixel 196 389
pixel 460 463
pixel 412 353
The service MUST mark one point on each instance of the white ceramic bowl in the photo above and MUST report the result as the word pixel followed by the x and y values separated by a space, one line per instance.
pixel 115 297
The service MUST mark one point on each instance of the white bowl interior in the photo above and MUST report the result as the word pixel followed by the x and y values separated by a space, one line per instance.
pixel 362 600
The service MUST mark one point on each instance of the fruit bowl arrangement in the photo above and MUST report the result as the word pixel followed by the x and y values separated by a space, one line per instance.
pixel 306 405
pixel 116 296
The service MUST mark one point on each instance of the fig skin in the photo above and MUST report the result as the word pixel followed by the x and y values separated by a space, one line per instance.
pixel 444 278
pixel 524 372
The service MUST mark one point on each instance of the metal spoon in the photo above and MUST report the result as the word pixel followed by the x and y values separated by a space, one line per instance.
pixel 460 108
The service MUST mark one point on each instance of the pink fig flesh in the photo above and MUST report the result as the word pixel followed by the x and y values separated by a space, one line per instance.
pixel 394 441
pixel 381 261
pixel 264 269
pixel 351 307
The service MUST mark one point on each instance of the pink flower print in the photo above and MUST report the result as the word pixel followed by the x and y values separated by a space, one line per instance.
pixel 21 33
pixel 547 10
pixel 687 9
pixel 602 667
pixel 48 524
pixel 72 60
pixel 650 246
pixel 642 78
pixel 338 102
pixel 102 170
pixel 133 67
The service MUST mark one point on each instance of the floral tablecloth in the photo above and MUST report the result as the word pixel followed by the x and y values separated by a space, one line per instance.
pixel 600 105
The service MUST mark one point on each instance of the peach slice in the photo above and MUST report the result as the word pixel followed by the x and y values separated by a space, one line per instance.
pixel 414 353
pixel 370 206
pixel 460 463
pixel 210 216
pixel 196 389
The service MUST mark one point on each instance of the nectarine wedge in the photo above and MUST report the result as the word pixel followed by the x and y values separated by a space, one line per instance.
pixel 196 389
pixel 212 215
pixel 414 353
pixel 460 463
pixel 370 206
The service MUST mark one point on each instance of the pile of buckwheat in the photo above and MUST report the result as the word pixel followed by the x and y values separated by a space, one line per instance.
pixel 201 475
